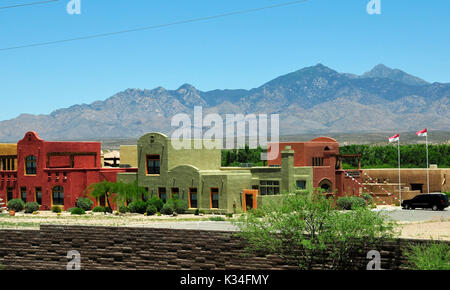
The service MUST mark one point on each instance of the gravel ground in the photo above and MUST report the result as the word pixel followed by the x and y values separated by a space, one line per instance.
pixel 414 223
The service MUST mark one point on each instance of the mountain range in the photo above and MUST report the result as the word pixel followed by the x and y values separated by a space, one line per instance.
pixel 314 99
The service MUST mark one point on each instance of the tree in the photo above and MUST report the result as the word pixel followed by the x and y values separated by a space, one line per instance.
pixel 116 191
pixel 307 228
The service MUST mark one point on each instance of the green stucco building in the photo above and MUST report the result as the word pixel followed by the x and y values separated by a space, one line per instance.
pixel 197 177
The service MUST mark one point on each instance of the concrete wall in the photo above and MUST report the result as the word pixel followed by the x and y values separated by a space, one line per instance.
pixel 112 248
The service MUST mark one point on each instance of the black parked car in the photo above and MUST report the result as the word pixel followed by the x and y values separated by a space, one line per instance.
pixel 433 201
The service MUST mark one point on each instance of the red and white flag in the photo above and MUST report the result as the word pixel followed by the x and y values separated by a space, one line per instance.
pixel 422 133
pixel 394 138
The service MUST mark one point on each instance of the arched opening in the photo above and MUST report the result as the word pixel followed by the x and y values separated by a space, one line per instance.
pixel 326 185
pixel 58 195
pixel 30 165
pixel 327 148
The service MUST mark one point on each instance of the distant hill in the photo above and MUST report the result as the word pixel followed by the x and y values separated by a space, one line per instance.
pixel 312 100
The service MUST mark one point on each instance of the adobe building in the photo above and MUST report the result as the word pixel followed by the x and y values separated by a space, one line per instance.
pixel 383 183
pixel 322 155
pixel 52 173
pixel 197 177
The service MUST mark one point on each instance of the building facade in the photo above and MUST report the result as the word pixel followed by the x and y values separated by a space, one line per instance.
pixel 197 177
pixel 52 173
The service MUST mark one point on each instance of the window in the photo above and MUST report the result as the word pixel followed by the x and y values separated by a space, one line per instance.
pixel 317 161
pixel 9 194
pixel 214 197
pixel 153 164
pixel 175 191
pixel 30 165
pixel 269 187
pixel 39 195
pixel 7 163
pixel 301 184
pixel 193 198
pixel 23 194
pixel 58 195
pixel 162 194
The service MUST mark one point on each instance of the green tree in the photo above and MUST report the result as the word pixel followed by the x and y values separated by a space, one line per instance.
pixel 116 191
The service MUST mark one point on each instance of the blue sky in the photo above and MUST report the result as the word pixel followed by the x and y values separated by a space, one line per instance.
pixel 242 51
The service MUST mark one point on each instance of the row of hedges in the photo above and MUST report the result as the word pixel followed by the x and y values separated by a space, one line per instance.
pixel 155 205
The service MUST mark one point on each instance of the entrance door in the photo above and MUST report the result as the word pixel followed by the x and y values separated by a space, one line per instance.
pixel 249 199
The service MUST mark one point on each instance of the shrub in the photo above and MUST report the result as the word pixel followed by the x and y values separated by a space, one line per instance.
pixel 229 215
pixel 175 205
pixel 56 209
pixel 156 202
pixel 168 208
pixel 350 202
pixel 151 210
pixel 108 210
pixel 78 211
pixel 85 203
pixel 368 198
pixel 124 209
pixel 216 219
pixel 31 207
pixel 309 230
pixel 16 205
pixel 138 207
pixel 99 209
pixel 435 256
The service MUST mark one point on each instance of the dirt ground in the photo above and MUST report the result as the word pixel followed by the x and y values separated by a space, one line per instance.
pixel 436 230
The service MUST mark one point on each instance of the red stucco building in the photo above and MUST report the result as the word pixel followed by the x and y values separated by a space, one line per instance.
pixel 54 173
pixel 322 154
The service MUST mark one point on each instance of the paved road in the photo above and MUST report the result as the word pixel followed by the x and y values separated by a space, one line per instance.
pixel 416 215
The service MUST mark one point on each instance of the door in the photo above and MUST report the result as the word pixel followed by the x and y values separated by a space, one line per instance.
pixel 249 199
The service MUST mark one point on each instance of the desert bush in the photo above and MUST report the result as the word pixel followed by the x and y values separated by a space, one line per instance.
pixel 16 205
pixel 31 207
pixel 435 256
pixel 99 209
pixel 138 207
pixel 56 209
pixel 85 203
pixel 168 208
pixel 350 202
pixel 307 228
pixel 124 209
pixel 77 211
pixel 156 202
pixel 368 198
pixel 151 210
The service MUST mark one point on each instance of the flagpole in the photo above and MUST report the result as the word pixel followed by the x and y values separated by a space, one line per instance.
pixel 399 179
pixel 428 167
